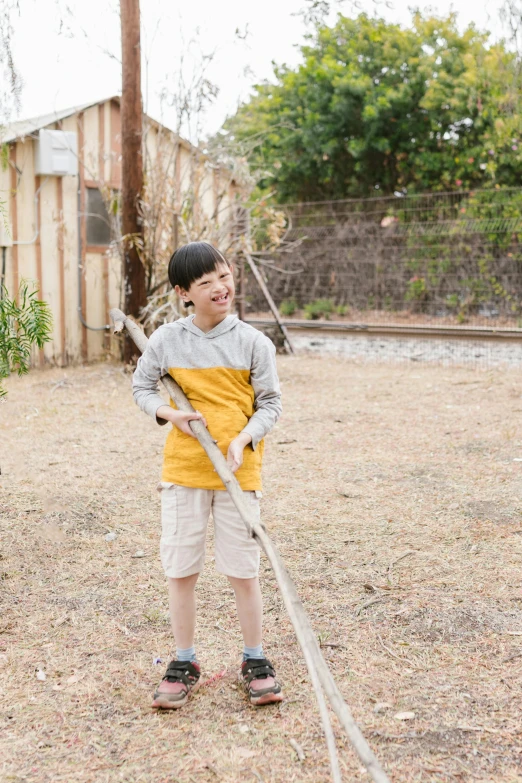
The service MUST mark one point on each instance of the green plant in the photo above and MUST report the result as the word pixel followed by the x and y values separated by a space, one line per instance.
pixel 288 306
pixel 417 290
pixel 25 321
pixel 320 308
pixel 342 309
pixel 452 301
pixel 155 616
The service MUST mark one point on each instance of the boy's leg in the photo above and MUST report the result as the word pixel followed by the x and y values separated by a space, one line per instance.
pixel 182 608
pixel 182 674
pixel 237 556
pixel 249 605
pixel 184 516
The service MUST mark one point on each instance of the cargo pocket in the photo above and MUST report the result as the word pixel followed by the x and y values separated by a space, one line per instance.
pixel 169 512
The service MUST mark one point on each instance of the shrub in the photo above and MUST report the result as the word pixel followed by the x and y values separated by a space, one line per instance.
pixel 24 322
pixel 288 306
pixel 417 290
pixel 320 308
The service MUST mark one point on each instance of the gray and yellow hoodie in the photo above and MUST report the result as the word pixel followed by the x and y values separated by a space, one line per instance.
pixel 229 374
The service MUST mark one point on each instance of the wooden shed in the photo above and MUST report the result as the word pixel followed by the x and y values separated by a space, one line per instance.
pixel 54 230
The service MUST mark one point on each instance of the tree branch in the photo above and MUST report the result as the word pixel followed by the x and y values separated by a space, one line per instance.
pixel 316 664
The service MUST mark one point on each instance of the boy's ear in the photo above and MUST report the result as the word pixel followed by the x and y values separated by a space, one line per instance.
pixel 182 293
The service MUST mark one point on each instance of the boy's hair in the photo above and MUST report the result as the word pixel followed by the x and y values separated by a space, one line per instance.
pixel 192 261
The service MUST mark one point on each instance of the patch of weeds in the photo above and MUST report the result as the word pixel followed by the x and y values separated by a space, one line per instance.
pixel 320 308
pixel 288 306
pixel 155 616
pixel 417 290
pixel 323 637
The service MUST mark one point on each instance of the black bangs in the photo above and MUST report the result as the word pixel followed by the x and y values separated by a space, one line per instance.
pixel 192 261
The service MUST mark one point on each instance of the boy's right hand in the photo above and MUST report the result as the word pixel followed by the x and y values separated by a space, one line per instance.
pixel 180 419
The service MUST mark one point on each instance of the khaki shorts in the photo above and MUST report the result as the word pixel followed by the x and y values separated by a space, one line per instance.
pixel 185 512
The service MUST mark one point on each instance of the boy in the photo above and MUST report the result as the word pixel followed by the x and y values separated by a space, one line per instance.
pixel 227 370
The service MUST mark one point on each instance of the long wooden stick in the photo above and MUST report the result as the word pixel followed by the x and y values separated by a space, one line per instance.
pixel 272 305
pixel 316 664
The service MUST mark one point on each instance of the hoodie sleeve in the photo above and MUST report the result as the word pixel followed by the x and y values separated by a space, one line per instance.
pixel 148 372
pixel 267 394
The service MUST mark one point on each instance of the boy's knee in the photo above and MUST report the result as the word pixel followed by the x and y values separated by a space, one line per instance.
pixel 183 581
pixel 245 585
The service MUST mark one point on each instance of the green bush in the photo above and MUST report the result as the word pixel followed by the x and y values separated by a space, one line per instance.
pixel 342 309
pixel 320 308
pixel 417 290
pixel 24 322
pixel 288 306
pixel 452 301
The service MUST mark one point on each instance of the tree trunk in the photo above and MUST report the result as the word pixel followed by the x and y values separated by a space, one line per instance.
pixel 132 163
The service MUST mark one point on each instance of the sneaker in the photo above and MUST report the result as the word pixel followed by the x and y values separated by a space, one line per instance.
pixel 258 678
pixel 181 679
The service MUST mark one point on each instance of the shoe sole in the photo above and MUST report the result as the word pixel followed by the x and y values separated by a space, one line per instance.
pixel 164 703
pixel 267 698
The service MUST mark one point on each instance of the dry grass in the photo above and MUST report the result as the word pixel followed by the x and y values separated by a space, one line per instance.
pixel 395 499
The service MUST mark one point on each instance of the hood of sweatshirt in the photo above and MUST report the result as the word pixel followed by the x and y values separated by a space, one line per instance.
pixel 224 326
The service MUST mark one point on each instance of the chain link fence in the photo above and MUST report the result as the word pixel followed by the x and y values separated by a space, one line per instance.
pixel 439 259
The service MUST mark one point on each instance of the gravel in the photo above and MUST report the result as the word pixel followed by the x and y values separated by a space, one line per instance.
pixel 475 353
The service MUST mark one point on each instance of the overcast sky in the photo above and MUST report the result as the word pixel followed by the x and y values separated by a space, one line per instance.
pixel 66 59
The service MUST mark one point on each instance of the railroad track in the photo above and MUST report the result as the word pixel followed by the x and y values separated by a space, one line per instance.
pixel 501 333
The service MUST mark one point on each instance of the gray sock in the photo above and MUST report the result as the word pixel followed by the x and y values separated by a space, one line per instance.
pixel 253 652
pixel 186 655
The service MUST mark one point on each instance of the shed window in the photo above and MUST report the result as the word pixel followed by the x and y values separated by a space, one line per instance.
pixel 98 226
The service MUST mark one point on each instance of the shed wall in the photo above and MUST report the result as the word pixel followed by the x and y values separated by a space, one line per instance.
pixel 70 273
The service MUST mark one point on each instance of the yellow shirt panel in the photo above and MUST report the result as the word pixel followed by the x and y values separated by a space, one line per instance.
pixel 225 397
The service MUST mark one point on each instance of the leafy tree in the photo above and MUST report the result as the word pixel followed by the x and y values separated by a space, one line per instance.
pixel 24 322
pixel 377 107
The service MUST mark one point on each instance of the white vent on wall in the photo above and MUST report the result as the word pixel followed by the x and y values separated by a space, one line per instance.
pixel 56 153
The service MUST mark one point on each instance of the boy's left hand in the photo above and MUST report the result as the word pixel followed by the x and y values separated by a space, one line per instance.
pixel 235 451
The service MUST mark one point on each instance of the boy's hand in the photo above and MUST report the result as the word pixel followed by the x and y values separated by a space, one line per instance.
pixel 180 419
pixel 235 451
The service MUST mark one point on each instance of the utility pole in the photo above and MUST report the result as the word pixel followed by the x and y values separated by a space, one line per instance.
pixel 132 162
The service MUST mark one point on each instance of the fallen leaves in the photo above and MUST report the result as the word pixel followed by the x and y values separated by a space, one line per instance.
pixel 73 679
pixel 246 753
pixel 404 715
pixel 49 531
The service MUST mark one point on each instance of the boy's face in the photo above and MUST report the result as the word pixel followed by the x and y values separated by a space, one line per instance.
pixel 211 294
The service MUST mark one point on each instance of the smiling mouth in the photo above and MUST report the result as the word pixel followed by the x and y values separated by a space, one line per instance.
pixel 223 298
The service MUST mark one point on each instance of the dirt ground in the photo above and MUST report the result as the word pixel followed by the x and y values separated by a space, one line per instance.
pixel 394 494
